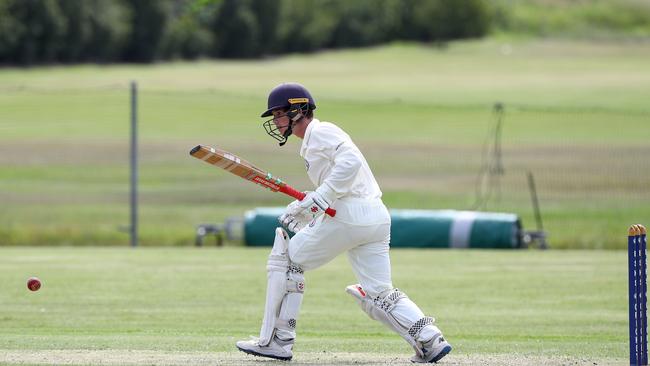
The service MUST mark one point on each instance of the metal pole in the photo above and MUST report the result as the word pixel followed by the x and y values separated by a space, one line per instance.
pixel 541 235
pixel 533 196
pixel 499 110
pixel 134 164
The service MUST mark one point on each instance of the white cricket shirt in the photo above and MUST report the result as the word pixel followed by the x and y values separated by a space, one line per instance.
pixel 334 161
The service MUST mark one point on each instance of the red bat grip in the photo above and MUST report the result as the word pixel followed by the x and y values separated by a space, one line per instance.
pixel 287 189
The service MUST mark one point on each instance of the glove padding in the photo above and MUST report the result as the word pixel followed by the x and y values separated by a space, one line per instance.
pixel 314 203
pixel 299 213
pixel 293 218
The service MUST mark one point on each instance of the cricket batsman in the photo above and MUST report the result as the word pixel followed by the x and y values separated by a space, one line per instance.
pixel 361 227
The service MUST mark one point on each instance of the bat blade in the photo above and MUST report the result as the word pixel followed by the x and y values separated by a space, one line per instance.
pixel 240 167
pixel 235 165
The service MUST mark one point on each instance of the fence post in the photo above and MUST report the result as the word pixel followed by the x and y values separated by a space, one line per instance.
pixel 134 165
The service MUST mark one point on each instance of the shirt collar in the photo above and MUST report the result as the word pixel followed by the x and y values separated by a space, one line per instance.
pixel 305 140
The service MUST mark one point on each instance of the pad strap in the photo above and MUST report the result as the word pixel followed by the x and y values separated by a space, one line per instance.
pixel 295 269
pixel 415 330
pixel 286 324
pixel 387 303
pixel 295 279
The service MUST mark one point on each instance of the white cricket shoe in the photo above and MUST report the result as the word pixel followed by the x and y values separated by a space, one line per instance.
pixel 277 348
pixel 434 350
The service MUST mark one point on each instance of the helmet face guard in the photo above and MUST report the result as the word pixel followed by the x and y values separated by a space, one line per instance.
pixel 274 131
pixel 297 110
pixel 296 100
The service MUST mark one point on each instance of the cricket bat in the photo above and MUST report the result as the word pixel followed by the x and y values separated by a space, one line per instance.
pixel 238 166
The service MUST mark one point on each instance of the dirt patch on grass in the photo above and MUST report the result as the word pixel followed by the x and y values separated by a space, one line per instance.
pixel 139 357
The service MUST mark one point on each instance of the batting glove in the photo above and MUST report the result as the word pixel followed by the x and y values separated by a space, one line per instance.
pixel 318 201
pixel 293 209
pixel 293 218
pixel 294 223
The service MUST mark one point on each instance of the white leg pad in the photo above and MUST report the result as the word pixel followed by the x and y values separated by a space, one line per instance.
pixel 399 313
pixel 286 323
pixel 284 292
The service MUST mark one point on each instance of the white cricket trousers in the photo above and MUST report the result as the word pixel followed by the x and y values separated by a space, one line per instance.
pixel 367 246
pixel 367 243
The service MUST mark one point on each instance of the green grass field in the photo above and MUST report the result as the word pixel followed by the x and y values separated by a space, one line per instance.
pixel 188 306
pixel 576 116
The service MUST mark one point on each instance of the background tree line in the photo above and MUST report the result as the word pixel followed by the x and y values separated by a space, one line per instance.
pixel 70 31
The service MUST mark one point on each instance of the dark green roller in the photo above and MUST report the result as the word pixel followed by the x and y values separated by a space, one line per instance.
pixel 260 224
pixel 415 228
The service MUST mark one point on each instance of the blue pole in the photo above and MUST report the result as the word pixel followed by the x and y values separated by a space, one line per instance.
pixel 631 266
pixel 134 164
pixel 643 305
pixel 637 296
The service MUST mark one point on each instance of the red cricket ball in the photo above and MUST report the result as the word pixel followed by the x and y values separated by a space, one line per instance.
pixel 33 283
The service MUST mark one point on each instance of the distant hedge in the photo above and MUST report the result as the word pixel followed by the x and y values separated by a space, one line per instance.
pixel 71 31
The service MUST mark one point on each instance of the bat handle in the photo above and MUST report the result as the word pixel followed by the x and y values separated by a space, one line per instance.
pixel 301 196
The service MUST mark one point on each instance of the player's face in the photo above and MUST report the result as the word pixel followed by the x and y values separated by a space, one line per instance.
pixel 280 119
